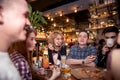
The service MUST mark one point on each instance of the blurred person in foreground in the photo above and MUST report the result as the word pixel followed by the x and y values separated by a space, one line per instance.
pixel 115 64
pixel 110 35
pixel 21 56
pixel 114 72
pixel 56 47
pixel 13 24
pixel 81 53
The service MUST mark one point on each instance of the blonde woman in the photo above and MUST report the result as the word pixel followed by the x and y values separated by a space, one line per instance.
pixel 56 47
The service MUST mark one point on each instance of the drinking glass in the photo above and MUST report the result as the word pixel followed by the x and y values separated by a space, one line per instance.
pixel 63 60
pixel 45 65
pixel 66 71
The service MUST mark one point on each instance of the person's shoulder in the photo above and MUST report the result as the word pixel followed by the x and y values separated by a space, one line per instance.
pixel 64 46
pixel 7 68
pixel 116 51
pixel 75 46
pixel 91 47
pixel 115 54
pixel 21 62
pixel 21 58
pixel 17 57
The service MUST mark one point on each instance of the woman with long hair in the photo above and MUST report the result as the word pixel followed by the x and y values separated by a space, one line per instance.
pixel 21 55
pixel 56 47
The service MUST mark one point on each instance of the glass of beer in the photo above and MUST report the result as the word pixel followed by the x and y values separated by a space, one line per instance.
pixel 63 60
pixel 66 69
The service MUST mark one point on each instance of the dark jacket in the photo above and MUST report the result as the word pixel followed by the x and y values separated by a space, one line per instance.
pixel 61 52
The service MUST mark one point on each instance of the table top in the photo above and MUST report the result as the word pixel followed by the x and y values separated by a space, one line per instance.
pixel 84 72
pixel 78 68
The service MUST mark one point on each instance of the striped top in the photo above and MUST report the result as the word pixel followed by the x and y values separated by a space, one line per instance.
pixel 22 65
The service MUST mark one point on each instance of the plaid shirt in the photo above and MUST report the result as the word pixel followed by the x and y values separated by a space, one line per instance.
pixel 22 66
pixel 81 53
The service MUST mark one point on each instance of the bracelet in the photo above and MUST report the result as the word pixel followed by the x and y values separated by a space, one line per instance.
pixel 83 62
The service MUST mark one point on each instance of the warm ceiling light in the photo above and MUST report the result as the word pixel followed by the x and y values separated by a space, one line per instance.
pixel 61 13
pixel 67 20
pixel 54 24
pixel 48 17
pixel 56 13
pixel 76 9
pixel 52 19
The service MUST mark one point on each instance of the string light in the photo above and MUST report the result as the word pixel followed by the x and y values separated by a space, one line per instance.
pixel 54 24
pixel 61 13
pixel 76 9
pixel 52 19
pixel 48 17
pixel 67 20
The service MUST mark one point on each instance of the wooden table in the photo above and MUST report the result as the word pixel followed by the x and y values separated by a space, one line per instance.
pixel 73 67
pixel 61 77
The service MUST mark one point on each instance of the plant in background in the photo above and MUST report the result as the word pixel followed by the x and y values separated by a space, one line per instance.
pixel 36 18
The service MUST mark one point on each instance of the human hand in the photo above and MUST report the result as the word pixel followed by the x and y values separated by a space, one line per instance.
pixel 93 56
pixel 89 59
pixel 41 71
pixel 55 74
pixel 50 46
pixel 105 49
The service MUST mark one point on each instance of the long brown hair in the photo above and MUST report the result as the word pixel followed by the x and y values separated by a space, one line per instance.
pixel 21 46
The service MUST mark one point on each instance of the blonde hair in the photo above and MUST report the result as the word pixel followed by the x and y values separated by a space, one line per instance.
pixel 52 36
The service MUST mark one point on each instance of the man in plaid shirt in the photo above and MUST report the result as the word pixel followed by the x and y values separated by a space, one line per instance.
pixel 81 53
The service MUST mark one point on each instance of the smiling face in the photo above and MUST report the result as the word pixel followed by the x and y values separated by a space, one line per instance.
pixel 14 20
pixel 30 41
pixel 58 41
pixel 83 38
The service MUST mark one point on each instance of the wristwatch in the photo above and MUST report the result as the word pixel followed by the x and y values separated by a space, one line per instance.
pixel 83 62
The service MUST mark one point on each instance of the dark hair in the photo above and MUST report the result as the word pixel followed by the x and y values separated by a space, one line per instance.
pixel 101 41
pixel 110 29
pixel 85 32
pixel 21 48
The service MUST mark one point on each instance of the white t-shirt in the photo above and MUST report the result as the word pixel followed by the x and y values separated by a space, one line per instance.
pixel 7 68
